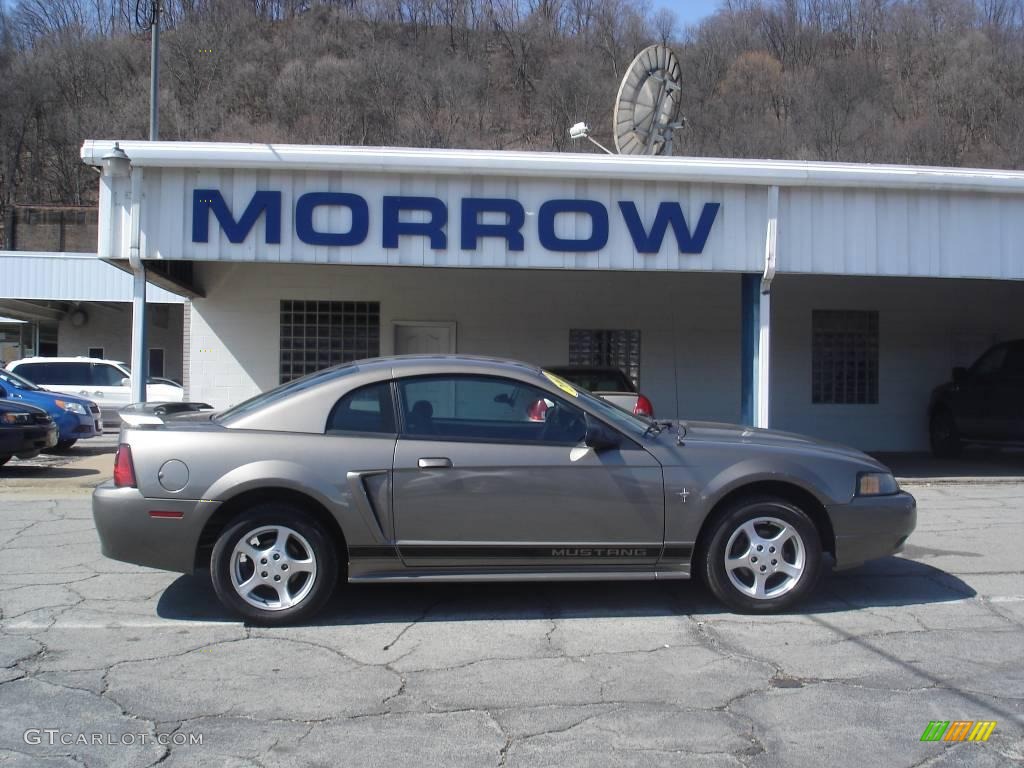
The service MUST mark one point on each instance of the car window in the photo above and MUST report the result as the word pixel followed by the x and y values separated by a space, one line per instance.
pixel 487 408
pixel 104 375
pixel 991 362
pixel 367 409
pixel 599 380
pixel 14 380
pixel 56 374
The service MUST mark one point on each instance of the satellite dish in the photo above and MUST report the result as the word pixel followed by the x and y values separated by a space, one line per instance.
pixel 648 104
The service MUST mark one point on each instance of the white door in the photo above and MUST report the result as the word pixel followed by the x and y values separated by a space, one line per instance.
pixel 424 338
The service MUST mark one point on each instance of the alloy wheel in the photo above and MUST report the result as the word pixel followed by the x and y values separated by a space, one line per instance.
pixel 765 558
pixel 273 568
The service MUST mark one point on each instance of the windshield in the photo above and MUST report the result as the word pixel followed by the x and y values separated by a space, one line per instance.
pixel 621 419
pixel 278 393
pixel 9 377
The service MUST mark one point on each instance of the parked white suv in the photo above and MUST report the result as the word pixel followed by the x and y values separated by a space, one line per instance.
pixel 106 382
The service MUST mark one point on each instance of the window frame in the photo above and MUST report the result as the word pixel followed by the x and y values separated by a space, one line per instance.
pixel 399 402
pixel 392 396
pixel 872 377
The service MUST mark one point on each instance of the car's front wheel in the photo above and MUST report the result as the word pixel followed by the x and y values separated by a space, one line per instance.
pixel 764 555
pixel 4 460
pixel 62 446
pixel 274 565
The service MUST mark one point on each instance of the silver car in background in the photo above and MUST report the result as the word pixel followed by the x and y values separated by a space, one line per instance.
pixel 430 468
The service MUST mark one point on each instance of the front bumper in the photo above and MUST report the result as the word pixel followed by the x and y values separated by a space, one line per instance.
pixel 75 426
pixel 129 533
pixel 870 527
pixel 29 441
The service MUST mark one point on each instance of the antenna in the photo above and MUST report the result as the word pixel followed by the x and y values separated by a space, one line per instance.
pixel 648 104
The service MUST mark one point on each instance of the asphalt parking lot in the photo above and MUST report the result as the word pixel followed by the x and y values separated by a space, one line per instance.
pixel 619 674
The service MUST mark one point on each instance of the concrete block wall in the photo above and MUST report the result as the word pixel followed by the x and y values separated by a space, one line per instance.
pixel 110 326
pixel 689 322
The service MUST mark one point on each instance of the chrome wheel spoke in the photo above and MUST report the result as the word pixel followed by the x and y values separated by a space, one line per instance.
pixel 732 563
pixel 784 535
pixel 284 597
pixel 759 582
pixel 792 571
pixel 302 566
pixel 250 551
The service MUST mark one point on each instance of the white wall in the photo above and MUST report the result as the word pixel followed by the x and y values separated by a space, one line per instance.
pixel 693 319
pixel 925 328
pixel 110 326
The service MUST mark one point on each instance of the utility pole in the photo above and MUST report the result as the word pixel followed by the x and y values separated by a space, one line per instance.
pixel 140 363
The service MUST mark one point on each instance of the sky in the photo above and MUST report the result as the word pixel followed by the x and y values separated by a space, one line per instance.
pixel 689 11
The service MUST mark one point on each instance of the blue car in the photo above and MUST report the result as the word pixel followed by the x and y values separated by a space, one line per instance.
pixel 76 417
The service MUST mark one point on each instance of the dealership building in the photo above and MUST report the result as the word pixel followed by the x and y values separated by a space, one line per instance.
pixel 821 298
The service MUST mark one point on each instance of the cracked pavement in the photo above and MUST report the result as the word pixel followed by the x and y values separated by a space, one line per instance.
pixel 601 674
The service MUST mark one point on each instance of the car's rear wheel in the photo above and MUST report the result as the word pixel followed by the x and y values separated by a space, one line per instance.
pixel 274 564
pixel 763 555
pixel 944 436
pixel 4 460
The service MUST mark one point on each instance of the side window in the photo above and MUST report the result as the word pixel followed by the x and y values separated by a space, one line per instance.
pixel 367 409
pixel 37 373
pixel 487 408
pixel 991 362
pixel 106 375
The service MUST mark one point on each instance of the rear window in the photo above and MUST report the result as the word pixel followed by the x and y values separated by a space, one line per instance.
pixel 596 379
pixel 367 409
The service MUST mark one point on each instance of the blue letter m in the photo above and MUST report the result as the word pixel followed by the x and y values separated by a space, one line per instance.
pixel 669 213
pixel 206 200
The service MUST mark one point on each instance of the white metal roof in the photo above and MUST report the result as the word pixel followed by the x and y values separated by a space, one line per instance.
pixel 46 276
pixel 463 162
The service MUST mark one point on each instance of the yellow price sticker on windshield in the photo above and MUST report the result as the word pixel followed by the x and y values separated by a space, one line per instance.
pixel 562 384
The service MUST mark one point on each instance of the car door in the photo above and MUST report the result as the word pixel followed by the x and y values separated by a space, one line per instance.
pixel 973 399
pixel 108 388
pixel 486 477
pixel 1005 409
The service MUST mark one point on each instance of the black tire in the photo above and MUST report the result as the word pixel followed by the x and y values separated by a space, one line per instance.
pixel 4 460
pixel 307 528
pixel 804 551
pixel 943 435
pixel 62 446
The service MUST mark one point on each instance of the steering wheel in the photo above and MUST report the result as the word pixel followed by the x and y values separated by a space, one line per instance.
pixel 561 425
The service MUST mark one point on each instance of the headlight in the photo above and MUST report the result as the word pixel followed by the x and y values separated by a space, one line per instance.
pixel 17 418
pixel 876 484
pixel 72 407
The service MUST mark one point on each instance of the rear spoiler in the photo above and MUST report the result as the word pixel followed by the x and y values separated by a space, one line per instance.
pixel 152 414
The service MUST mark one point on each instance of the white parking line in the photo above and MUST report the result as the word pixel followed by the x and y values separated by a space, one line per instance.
pixel 167 624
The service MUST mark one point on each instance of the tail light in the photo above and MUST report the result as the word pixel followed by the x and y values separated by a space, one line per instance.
pixel 538 411
pixel 643 407
pixel 124 467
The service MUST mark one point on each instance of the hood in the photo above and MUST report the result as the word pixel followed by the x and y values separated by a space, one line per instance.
pixel 20 406
pixel 736 434
pixel 46 398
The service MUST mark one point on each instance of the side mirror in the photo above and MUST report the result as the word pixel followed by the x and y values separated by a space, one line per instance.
pixel 126 382
pixel 600 437
pixel 960 376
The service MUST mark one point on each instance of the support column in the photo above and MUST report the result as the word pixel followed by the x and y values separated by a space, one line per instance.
pixel 140 365
pixel 750 304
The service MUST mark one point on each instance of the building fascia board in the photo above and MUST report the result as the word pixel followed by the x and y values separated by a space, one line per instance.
pixel 561 165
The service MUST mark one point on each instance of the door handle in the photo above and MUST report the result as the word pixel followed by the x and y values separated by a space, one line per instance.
pixel 434 463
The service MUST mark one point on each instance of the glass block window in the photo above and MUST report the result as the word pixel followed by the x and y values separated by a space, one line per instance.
pixel 844 356
pixel 319 334
pixel 606 348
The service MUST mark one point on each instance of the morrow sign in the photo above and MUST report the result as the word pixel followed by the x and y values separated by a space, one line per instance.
pixel 647 238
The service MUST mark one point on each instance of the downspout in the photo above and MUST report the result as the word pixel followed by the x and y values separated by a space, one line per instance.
pixel 762 408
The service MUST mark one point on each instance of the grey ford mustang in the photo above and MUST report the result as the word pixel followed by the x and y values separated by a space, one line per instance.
pixel 444 468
